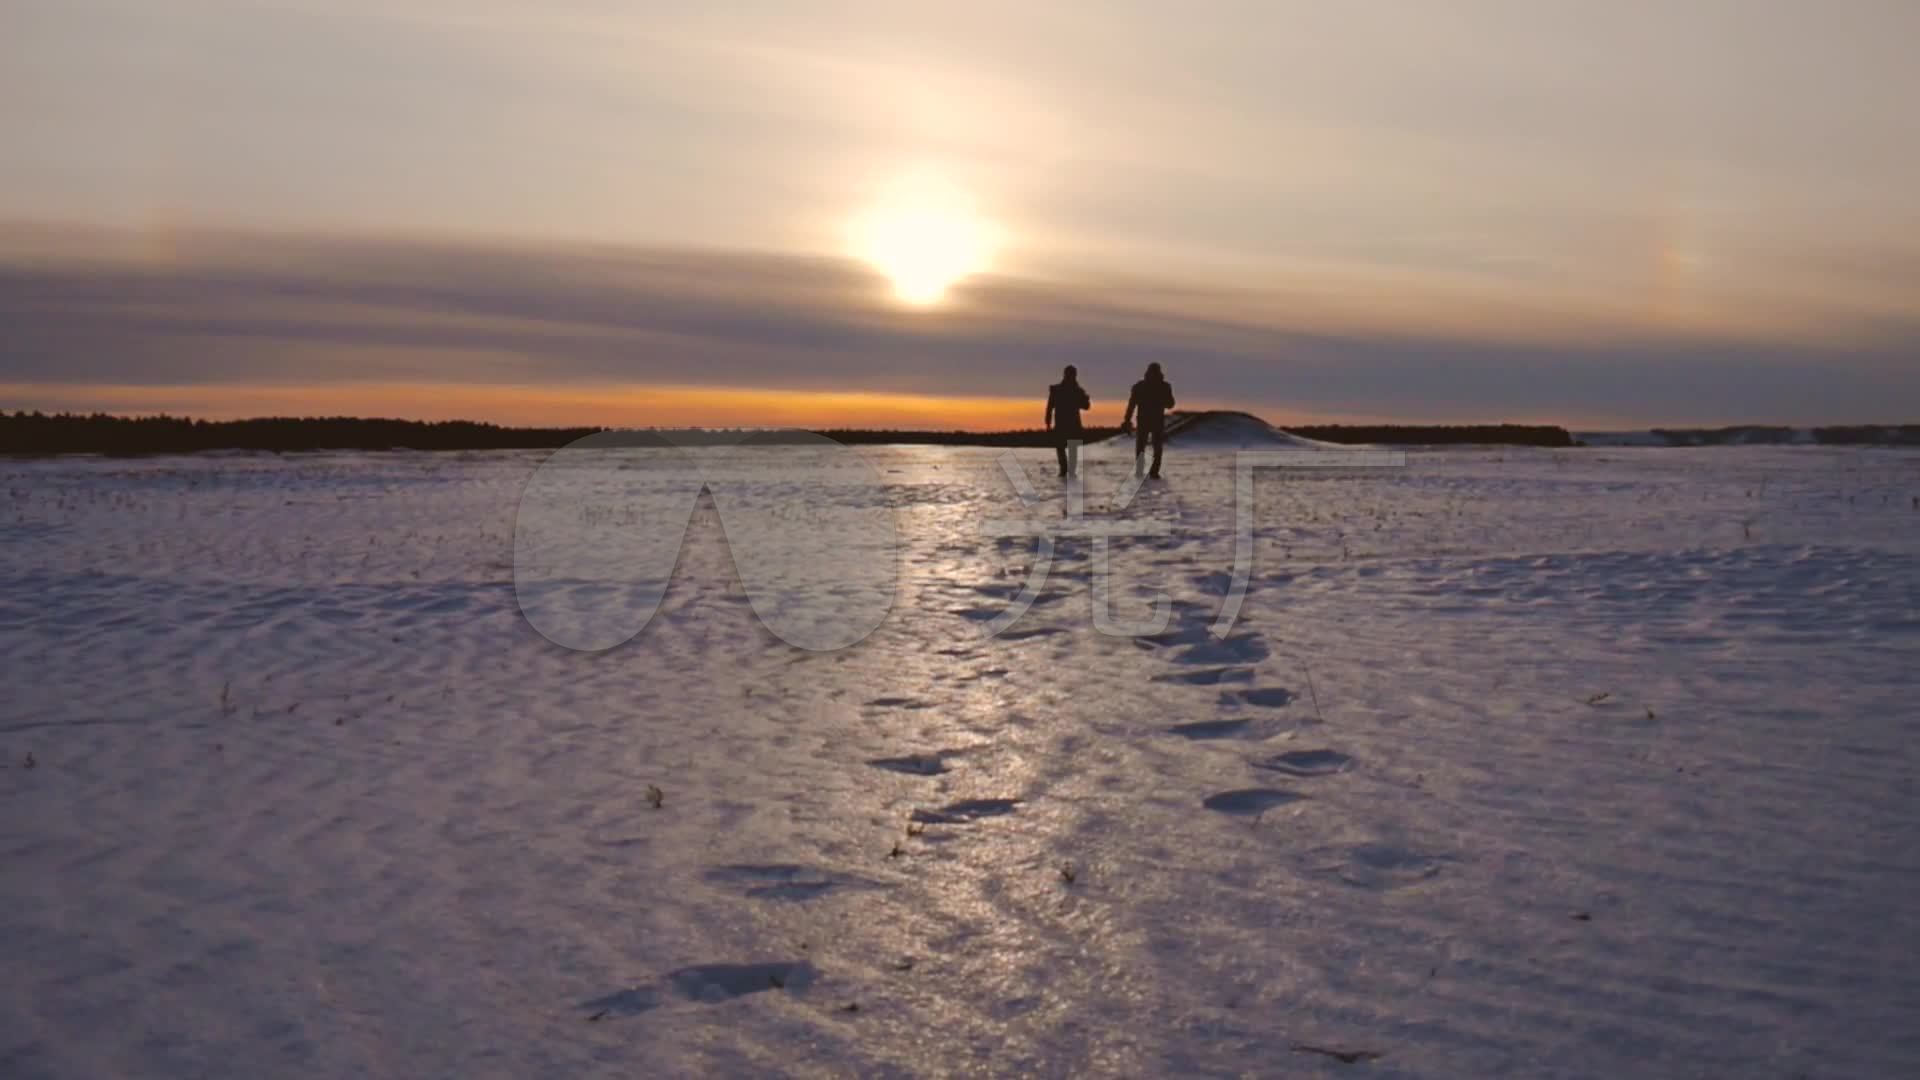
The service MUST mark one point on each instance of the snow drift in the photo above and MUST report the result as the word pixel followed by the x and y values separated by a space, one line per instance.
pixel 1224 430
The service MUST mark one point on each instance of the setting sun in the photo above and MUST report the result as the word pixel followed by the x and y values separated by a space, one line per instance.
pixel 924 236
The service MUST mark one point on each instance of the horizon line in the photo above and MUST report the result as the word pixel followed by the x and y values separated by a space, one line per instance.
pixel 121 415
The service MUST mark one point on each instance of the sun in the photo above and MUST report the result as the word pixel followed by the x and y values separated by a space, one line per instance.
pixel 924 235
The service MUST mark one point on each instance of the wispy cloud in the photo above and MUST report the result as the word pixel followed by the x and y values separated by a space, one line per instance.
pixel 215 311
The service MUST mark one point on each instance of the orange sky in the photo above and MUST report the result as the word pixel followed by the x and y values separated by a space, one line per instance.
pixel 613 406
pixel 609 406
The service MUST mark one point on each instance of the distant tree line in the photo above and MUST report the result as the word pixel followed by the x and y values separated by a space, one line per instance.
pixel 1439 434
pixel 98 433
pixel 1869 434
pixel 1739 435
pixel 68 433
pixel 1770 435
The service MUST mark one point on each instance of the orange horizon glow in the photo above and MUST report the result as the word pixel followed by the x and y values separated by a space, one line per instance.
pixel 627 405
pixel 530 406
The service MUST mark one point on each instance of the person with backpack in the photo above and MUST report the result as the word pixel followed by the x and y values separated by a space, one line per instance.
pixel 1152 397
pixel 1066 399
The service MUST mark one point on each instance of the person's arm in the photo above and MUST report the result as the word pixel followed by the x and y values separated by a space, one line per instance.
pixel 1169 397
pixel 1085 401
pixel 1049 420
pixel 1127 420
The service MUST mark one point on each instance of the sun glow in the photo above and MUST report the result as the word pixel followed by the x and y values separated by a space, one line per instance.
pixel 924 235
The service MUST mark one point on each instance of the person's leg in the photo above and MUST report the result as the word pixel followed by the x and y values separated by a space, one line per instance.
pixel 1073 454
pixel 1060 451
pixel 1159 445
pixel 1139 449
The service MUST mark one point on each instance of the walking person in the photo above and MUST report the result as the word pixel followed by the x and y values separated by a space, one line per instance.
pixel 1152 397
pixel 1065 401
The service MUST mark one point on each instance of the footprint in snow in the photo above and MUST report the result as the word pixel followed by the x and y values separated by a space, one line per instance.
pixel 1265 697
pixel 704 983
pixel 965 812
pixel 898 703
pixel 1249 800
pixel 783 881
pixel 1207 676
pixel 1038 631
pixel 1206 730
pixel 932 763
pixel 1307 762
pixel 1235 649
pixel 1378 866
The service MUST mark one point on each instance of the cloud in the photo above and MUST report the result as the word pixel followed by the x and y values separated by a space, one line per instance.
pixel 227 309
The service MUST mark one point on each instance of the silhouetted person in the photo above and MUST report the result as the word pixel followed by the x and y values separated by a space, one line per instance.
pixel 1152 397
pixel 1065 399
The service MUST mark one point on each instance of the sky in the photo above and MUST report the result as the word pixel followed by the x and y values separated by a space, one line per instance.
pixel 1602 214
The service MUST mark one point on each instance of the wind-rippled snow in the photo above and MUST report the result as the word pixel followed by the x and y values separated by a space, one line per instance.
pixel 1524 763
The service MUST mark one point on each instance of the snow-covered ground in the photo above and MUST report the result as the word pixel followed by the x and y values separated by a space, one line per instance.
pixel 1517 763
